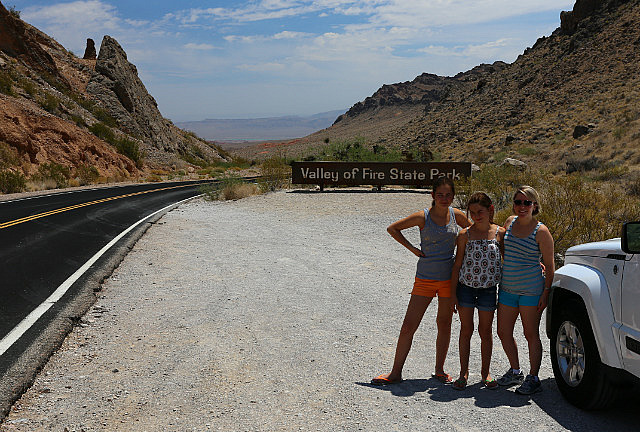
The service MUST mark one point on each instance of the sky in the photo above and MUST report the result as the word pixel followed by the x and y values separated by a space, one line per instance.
pixel 265 58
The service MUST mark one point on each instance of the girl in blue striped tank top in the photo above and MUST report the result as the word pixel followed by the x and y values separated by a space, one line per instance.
pixel 524 289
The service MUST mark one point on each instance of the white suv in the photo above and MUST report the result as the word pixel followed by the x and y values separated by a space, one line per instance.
pixel 593 320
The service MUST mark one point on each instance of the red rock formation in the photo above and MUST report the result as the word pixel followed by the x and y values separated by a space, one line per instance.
pixel 39 137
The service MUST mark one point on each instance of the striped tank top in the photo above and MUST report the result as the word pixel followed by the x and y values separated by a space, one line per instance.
pixel 437 244
pixel 521 271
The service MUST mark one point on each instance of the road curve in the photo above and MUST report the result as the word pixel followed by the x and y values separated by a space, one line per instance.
pixel 45 239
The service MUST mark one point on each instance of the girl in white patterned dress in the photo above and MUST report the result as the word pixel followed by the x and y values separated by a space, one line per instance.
pixel 476 273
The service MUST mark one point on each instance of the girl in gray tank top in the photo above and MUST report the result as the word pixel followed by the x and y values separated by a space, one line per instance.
pixel 438 226
pixel 437 244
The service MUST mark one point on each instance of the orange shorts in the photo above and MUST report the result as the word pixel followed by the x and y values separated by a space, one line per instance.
pixel 431 288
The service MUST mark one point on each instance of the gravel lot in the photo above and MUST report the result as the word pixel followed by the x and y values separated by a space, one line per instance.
pixel 272 313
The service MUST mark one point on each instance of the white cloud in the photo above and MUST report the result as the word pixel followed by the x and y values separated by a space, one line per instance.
pixel 476 51
pixel 200 47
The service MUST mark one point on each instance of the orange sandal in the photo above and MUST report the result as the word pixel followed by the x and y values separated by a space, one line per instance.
pixel 384 380
pixel 444 378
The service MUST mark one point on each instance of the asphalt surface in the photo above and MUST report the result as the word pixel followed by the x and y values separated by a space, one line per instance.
pixel 46 238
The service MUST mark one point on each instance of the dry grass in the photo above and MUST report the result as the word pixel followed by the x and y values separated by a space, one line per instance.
pixel 239 191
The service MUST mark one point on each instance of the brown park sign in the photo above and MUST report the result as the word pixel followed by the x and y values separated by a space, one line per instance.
pixel 377 173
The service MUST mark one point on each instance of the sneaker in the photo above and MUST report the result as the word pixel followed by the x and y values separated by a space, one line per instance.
pixel 529 386
pixel 511 378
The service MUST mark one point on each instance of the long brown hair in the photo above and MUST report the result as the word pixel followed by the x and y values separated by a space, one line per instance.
pixel 441 181
pixel 484 200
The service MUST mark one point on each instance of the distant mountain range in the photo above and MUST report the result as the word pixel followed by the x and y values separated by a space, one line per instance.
pixel 261 129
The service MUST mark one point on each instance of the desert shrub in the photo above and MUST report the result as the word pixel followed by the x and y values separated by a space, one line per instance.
pixel 130 149
pixel 154 178
pixel 634 187
pixel 104 117
pixel 59 174
pixel 229 187
pixel 581 165
pixel 28 86
pixel 6 83
pixel 612 173
pixel 12 182
pixel 577 212
pixel 103 132
pixel 527 151
pixel 15 12
pixel 50 103
pixel 8 156
pixel 87 174
pixel 275 174
pixel 79 121
pixel 355 150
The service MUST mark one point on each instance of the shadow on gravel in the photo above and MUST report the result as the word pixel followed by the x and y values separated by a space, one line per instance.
pixel 623 416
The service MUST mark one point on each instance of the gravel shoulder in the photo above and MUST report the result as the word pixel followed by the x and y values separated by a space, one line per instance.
pixel 273 313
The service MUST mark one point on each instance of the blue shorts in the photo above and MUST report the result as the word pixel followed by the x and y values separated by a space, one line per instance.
pixel 483 299
pixel 515 300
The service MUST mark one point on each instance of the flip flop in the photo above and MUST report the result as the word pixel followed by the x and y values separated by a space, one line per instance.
pixel 491 384
pixel 382 380
pixel 460 384
pixel 444 378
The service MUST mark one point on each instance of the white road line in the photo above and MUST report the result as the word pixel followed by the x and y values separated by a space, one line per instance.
pixel 31 319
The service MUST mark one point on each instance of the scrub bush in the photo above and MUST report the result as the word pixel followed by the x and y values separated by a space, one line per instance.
pixel 12 182
pixel 275 174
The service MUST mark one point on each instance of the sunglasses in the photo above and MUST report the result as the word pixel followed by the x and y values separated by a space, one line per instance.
pixel 526 203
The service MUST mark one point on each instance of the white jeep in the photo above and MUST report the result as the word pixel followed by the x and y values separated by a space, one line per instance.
pixel 593 320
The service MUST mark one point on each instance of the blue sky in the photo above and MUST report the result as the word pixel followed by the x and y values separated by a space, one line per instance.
pixel 263 58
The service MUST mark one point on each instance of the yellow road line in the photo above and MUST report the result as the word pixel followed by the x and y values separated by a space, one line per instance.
pixel 73 207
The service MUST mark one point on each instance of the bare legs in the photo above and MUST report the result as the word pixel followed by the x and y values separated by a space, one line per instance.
pixel 415 311
pixel 485 321
pixel 530 317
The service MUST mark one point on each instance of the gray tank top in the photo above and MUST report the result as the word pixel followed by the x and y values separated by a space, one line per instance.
pixel 437 244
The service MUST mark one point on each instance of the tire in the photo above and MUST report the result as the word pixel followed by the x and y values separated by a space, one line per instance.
pixel 579 373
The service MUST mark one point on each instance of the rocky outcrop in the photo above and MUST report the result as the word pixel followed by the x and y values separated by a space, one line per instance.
pixel 115 83
pixel 18 40
pixel 424 90
pixel 569 20
pixel 90 50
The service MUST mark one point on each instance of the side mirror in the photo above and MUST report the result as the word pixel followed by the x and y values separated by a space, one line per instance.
pixel 631 237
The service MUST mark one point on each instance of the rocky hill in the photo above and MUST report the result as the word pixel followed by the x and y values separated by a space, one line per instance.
pixel 90 114
pixel 571 101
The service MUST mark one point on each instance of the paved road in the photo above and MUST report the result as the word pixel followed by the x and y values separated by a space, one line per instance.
pixel 46 238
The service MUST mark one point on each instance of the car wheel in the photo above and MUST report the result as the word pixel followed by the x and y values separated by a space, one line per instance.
pixel 579 374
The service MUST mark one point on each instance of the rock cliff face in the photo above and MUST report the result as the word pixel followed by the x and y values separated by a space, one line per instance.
pixel 115 83
pixel 17 39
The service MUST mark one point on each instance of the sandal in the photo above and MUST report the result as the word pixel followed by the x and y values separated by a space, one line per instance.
pixel 490 384
pixel 443 377
pixel 384 380
pixel 460 384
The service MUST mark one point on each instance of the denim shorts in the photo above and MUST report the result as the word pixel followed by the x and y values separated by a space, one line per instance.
pixel 483 299
pixel 515 300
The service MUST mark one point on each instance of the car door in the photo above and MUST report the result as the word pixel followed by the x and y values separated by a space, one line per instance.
pixel 630 330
